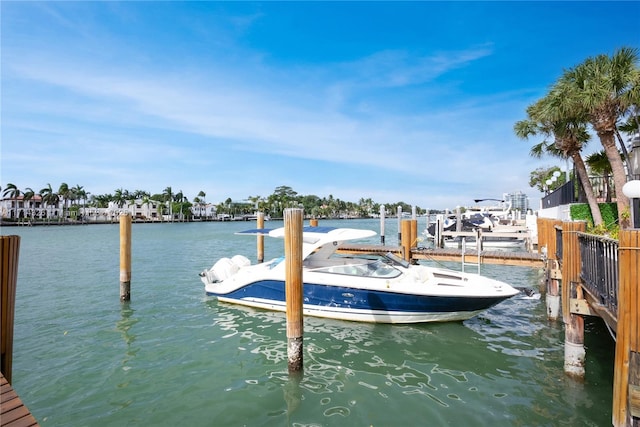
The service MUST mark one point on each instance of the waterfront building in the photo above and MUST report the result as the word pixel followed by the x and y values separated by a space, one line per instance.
pixel 141 210
pixel 33 208
pixel 518 201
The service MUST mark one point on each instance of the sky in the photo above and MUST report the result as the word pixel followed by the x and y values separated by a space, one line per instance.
pixel 392 101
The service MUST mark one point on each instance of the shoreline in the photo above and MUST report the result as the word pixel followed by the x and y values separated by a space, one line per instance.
pixel 5 223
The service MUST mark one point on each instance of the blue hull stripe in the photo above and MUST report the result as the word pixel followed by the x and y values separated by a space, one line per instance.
pixel 363 299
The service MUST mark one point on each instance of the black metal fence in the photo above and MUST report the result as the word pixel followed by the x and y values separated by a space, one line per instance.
pixel 599 271
pixel 563 195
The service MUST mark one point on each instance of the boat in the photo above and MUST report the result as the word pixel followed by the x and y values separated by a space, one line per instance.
pixel 377 287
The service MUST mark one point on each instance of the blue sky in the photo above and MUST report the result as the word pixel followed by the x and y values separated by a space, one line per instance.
pixel 393 101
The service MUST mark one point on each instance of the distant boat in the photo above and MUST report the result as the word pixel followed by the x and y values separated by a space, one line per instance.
pixel 378 288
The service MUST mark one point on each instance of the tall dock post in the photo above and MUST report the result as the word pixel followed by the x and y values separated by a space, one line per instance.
pixel 414 227
pixel 293 286
pixel 399 214
pixel 9 254
pixel 626 377
pixel 125 257
pixel 574 353
pixel 260 237
pixel 382 213
pixel 547 239
pixel 406 239
pixel 439 229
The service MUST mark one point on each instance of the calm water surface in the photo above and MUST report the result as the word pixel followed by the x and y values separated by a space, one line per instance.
pixel 174 356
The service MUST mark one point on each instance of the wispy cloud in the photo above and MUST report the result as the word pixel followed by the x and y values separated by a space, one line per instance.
pixel 133 97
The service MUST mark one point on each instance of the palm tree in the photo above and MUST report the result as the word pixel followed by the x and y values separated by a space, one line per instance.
pixel 203 203
pixel 599 164
pixel 49 197
pixel 14 193
pixel 168 197
pixel 120 196
pixel 79 193
pixel 65 193
pixel 570 136
pixel 602 90
pixel 27 196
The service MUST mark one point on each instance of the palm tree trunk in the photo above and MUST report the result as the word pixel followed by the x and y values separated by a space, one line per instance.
pixel 625 153
pixel 583 175
pixel 619 176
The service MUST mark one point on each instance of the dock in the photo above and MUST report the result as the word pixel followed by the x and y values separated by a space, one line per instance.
pixel 13 413
pixel 514 258
pixel 592 275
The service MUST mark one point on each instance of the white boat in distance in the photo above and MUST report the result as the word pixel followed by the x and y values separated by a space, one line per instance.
pixel 380 288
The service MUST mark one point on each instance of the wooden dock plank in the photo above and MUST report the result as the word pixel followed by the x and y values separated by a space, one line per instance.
pixel 13 413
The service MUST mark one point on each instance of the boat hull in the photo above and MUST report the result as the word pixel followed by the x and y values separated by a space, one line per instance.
pixel 361 305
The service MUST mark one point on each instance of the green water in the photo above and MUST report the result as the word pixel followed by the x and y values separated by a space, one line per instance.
pixel 173 356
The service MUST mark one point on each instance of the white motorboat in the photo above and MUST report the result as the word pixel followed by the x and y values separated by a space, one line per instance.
pixel 380 288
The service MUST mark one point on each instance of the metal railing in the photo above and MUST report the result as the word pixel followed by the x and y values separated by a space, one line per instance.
pixel 599 271
pixel 563 195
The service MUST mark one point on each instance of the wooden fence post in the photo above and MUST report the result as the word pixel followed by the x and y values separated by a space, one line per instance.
pixel 9 254
pixel 574 353
pixel 293 286
pixel 125 257
pixel 553 273
pixel 626 377
pixel 260 237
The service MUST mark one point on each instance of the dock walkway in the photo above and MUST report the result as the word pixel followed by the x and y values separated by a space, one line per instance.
pixel 13 413
pixel 516 258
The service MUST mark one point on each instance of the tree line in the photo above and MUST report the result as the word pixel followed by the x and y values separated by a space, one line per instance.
pixel 177 203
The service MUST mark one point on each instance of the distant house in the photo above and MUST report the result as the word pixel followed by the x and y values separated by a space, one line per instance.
pixel 140 210
pixel 34 208
pixel 203 211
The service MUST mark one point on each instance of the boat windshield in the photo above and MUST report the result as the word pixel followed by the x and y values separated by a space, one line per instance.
pixel 375 268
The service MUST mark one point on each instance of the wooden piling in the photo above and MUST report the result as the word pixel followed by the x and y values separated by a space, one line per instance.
pixel 293 286
pixel 574 353
pixel 313 222
pixel 382 213
pixel 406 239
pixel 9 254
pixel 439 229
pixel 399 214
pixel 414 233
pixel 125 257
pixel 547 243
pixel 626 379
pixel 260 237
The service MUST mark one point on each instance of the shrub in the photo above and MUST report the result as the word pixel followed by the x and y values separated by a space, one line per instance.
pixel 609 211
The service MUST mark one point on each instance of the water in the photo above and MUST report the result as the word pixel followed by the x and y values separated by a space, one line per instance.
pixel 173 356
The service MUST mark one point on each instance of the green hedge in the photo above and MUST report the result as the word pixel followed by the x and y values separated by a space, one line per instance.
pixel 581 211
